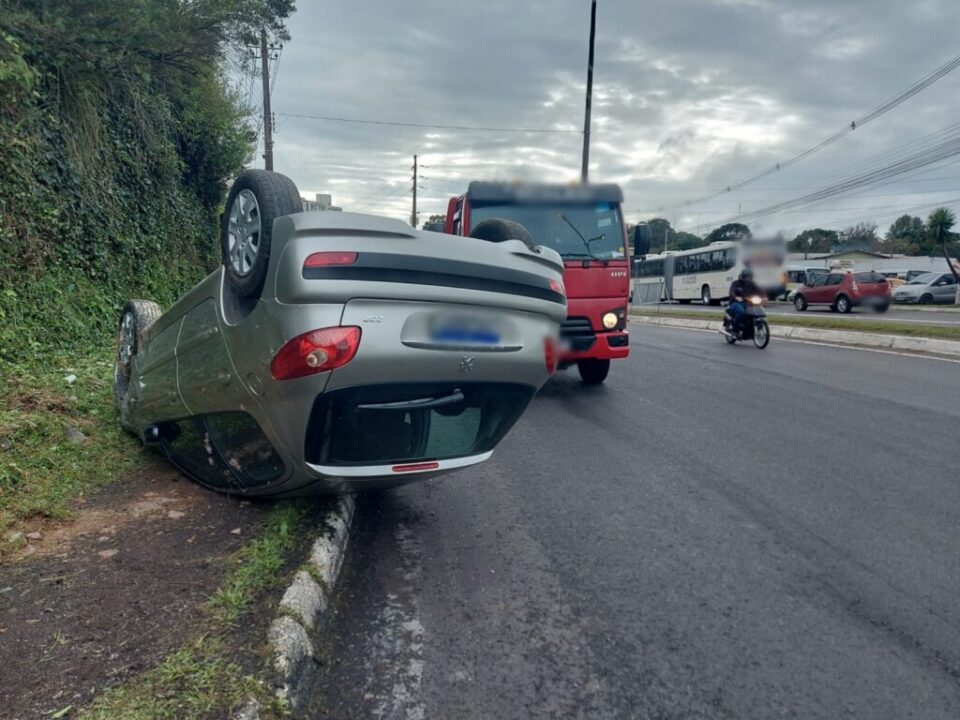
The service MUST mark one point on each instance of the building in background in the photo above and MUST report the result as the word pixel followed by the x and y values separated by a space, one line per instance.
pixel 324 201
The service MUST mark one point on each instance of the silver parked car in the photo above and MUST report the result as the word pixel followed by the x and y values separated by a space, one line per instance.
pixel 928 289
pixel 334 351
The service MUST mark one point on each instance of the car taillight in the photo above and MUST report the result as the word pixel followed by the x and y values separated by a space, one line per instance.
pixel 550 355
pixel 854 286
pixel 327 259
pixel 558 288
pixel 315 351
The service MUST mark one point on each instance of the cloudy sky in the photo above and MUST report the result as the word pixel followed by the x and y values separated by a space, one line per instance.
pixel 690 96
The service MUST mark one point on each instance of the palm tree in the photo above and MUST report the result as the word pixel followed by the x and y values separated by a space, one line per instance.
pixel 939 224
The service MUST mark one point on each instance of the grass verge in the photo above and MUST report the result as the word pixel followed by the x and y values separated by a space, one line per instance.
pixel 203 679
pixel 940 332
pixel 59 436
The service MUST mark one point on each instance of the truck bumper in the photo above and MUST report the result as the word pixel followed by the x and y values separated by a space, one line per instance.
pixel 606 346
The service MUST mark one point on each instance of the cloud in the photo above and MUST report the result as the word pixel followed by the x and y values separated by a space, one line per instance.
pixel 690 96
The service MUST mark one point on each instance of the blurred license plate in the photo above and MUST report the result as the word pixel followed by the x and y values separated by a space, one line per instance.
pixel 464 331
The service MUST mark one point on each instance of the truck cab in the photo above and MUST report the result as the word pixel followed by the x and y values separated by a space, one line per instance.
pixel 584 224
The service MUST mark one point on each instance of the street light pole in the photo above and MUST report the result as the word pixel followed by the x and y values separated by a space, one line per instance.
pixel 585 165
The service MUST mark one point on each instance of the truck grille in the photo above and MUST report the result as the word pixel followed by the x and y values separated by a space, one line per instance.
pixel 578 332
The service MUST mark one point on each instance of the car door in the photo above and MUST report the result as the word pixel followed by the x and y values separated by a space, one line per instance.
pixel 832 286
pixel 817 293
pixel 945 289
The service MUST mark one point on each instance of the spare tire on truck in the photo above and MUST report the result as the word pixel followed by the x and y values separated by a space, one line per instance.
pixel 256 199
pixel 498 230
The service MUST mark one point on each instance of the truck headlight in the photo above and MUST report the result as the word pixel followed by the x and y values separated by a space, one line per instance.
pixel 610 320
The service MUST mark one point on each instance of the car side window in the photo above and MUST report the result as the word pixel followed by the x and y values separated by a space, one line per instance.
pixel 244 447
pixel 834 279
pixel 224 450
pixel 188 446
pixel 820 281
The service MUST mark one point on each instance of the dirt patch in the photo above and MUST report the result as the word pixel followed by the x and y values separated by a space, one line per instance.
pixel 111 591
pixel 159 492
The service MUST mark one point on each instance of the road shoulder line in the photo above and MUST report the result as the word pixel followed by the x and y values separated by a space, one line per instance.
pixel 850 338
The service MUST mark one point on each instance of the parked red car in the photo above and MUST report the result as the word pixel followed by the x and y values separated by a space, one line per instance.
pixel 845 290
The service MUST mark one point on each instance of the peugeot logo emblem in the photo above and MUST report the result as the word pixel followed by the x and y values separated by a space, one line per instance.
pixel 466 364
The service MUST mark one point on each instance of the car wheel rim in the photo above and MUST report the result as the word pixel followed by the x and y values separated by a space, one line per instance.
pixel 126 341
pixel 842 304
pixel 243 233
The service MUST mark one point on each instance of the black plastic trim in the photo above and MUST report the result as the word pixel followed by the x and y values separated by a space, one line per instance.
pixel 418 270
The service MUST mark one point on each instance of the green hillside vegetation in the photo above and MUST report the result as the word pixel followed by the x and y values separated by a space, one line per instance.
pixel 119 134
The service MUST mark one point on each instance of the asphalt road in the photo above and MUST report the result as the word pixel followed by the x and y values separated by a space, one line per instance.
pixel 923 317
pixel 718 532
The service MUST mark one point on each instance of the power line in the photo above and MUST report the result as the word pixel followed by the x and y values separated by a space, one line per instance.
pixel 856 123
pixel 471 128
pixel 946 149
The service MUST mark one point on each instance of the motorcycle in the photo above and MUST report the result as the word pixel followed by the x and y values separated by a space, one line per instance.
pixel 752 325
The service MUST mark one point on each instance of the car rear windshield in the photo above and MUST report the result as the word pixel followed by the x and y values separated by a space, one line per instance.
pixel 384 424
pixel 869 277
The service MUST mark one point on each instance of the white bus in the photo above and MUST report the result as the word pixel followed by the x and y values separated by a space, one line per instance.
pixel 705 273
pixel 649 285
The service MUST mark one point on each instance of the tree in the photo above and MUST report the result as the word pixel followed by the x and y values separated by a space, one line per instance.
pixel 862 236
pixel 906 235
pixel 730 231
pixel 687 241
pixel 939 224
pixel 815 240
pixel 661 235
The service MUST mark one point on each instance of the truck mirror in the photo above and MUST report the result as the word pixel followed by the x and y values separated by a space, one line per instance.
pixel 641 240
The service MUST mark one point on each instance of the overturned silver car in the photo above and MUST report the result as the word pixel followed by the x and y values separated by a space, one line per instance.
pixel 333 352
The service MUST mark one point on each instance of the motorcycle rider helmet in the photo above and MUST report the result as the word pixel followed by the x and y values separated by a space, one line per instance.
pixel 746 274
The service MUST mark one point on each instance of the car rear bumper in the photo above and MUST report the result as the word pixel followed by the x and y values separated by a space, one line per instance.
pixel 339 479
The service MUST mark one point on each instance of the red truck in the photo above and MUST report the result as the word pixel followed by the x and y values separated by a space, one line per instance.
pixel 584 223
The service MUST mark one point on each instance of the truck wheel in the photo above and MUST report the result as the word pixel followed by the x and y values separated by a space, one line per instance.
pixel 593 372
pixel 499 230
pixel 136 316
pixel 257 198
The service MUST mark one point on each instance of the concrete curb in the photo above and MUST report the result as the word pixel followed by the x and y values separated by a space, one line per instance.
pixel 906 343
pixel 302 609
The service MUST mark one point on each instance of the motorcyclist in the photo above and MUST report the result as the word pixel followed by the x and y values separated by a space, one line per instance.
pixel 740 289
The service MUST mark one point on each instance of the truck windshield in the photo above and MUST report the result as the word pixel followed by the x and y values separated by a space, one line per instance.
pixel 599 224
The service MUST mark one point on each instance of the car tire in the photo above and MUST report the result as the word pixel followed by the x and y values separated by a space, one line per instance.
pixel 593 372
pixel 705 295
pixel 500 230
pixel 800 303
pixel 926 299
pixel 843 304
pixel 135 317
pixel 256 199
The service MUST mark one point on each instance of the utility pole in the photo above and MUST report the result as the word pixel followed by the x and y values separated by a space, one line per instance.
pixel 585 166
pixel 413 215
pixel 267 117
